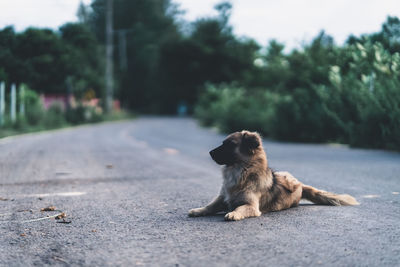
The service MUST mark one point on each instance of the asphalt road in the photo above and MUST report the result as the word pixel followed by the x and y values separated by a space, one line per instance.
pixel 126 188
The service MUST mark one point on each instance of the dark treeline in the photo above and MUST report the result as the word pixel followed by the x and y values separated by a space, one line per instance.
pixel 169 61
pixel 320 92
pixel 44 59
pixel 166 61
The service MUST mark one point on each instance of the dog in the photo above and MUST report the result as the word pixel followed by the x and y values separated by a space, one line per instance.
pixel 251 188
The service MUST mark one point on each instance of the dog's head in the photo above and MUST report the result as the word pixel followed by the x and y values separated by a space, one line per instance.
pixel 237 147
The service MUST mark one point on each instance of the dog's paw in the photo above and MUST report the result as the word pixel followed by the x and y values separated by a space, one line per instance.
pixel 233 216
pixel 196 212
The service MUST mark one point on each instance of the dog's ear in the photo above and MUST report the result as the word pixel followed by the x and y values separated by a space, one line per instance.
pixel 251 140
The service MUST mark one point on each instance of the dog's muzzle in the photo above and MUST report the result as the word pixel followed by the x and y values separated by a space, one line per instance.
pixel 221 155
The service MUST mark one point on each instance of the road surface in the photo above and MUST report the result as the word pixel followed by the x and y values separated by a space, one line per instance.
pixel 126 188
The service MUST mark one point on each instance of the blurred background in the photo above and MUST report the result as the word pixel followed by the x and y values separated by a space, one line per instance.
pixel 303 71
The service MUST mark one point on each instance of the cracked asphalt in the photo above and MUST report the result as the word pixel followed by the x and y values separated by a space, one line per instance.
pixel 126 188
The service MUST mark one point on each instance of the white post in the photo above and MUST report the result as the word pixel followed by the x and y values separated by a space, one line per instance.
pixel 2 103
pixel 13 105
pixel 21 100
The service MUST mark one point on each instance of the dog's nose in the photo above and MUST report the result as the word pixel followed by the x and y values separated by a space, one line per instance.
pixel 212 153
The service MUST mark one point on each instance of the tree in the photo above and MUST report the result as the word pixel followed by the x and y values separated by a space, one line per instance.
pixel 167 67
pixel 84 62
pixel 9 62
pixel 210 53
pixel 389 36
pixel 83 13
pixel 44 58
pixel 148 25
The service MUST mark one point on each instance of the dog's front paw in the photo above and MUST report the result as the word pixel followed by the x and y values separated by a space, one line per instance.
pixel 233 216
pixel 196 212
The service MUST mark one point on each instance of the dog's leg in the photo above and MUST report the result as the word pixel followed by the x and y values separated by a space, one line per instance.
pixel 215 206
pixel 242 212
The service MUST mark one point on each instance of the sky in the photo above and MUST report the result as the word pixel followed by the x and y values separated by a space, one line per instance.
pixel 38 13
pixel 291 22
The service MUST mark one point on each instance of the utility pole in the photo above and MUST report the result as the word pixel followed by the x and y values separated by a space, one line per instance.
pixel 109 55
pixel 122 49
pixel 2 103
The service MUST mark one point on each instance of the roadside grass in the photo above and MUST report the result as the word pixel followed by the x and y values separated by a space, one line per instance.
pixel 24 128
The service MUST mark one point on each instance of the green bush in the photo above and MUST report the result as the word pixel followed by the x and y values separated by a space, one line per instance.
pixel 82 114
pixel 55 116
pixel 360 105
pixel 234 109
pixel 34 112
pixel 364 101
pixel 76 115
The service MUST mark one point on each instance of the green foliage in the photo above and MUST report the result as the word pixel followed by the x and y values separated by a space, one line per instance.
pixel 232 108
pixel 319 93
pixel 3 75
pixel 168 62
pixel 323 93
pixel 148 26
pixel 54 116
pixel 37 118
pixel 211 53
pixel 8 62
pixel 369 97
pixel 34 112
pixel 44 59
pixel 83 114
pixel 84 62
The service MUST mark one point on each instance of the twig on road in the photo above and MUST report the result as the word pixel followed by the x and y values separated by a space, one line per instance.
pixel 59 215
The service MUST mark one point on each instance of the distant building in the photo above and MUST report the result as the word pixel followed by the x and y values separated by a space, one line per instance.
pixel 61 99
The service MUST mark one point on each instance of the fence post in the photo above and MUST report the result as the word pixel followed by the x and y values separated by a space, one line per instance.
pixel 13 105
pixel 21 100
pixel 2 103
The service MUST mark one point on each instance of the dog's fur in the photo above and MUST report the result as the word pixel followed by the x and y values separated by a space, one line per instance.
pixel 251 188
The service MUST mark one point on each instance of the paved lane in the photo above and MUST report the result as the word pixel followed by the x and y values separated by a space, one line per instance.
pixel 126 187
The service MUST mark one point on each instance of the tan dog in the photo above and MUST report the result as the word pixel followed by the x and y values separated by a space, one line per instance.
pixel 251 188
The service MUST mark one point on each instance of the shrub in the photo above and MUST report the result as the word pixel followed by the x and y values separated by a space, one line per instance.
pixel 365 99
pixel 55 116
pixel 76 115
pixel 233 108
pixel 359 106
pixel 82 114
pixel 34 112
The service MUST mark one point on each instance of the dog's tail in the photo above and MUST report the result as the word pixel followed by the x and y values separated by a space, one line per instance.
pixel 326 198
